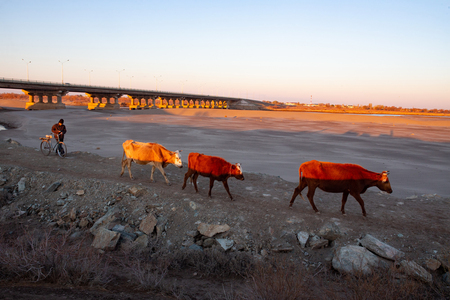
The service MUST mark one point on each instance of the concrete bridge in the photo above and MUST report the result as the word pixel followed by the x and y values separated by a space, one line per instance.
pixel 42 96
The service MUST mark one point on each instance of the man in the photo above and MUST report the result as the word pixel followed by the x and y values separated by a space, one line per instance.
pixel 59 130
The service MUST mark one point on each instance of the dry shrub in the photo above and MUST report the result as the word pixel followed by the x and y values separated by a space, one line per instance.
pixel 212 262
pixel 46 257
pixel 383 285
pixel 280 280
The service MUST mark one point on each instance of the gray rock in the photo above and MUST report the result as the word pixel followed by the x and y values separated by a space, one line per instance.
pixel 21 184
pixel 446 278
pixel 210 230
pixel 209 242
pixel 318 243
pixel 433 264
pixel 226 244
pixel 355 260
pixel 330 231
pixel 195 247
pixel 53 187
pixel 380 248
pixel 60 202
pixel 141 242
pixel 109 217
pixel 415 271
pixel 3 180
pixel 127 235
pixel 303 238
pixel 161 225
pixel 137 191
pixel 105 239
pixel 192 233
pixel 11 141
pixel 445 261
pixel 147 225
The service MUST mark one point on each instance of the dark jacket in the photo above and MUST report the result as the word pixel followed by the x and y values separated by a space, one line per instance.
pixel 57 128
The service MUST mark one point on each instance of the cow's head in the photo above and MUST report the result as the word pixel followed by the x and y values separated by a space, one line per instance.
pixel 236 171
pixel 177 159
pixel 383 183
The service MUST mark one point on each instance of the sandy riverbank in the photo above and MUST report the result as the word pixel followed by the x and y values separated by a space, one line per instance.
pixel 415 149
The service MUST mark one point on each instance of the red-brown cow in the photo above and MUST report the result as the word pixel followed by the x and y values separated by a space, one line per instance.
pixel 338 178
pixel 216 168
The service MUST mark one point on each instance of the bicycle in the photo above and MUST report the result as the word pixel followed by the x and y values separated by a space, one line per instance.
pixel 46 146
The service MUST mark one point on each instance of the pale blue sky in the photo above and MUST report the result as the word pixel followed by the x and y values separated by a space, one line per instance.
pixel 342 52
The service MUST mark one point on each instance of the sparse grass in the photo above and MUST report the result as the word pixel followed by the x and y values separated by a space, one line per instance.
pixel 51 257
pixel 48 257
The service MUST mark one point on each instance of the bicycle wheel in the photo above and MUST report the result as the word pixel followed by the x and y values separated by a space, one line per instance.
pixel 46 148
pixel 61 149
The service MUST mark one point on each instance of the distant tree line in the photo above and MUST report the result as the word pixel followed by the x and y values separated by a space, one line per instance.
pixel 276 105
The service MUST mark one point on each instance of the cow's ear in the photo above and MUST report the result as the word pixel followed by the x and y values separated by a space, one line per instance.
pixel 180 150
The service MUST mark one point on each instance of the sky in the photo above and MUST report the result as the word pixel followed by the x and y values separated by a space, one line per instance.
pixel 394 53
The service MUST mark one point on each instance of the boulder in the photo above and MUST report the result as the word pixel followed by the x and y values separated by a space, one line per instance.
pixel 210 230
pixel 303 238
pixel 380 248
pixel 105 239
pixel 356 260
pixel 330 231
pixel 147 225
pixel 413 270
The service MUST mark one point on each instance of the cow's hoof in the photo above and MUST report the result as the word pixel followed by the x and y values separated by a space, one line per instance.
pixel 317 212
pixel 168 183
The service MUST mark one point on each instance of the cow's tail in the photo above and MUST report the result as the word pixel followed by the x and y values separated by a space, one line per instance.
pixel 300 184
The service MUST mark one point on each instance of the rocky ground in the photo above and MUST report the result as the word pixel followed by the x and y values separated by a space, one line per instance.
pixel 76 192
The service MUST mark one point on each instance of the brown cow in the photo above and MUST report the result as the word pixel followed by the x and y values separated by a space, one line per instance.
pixel 216 168
pixel 149 153
pixel 338 178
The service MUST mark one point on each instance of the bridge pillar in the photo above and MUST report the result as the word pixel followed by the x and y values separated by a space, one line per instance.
pixel 40 104
pixel 109 105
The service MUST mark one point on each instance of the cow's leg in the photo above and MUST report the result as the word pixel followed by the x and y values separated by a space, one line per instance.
pixel 186 176
pixel 344 200
pixel 194 180
pixel 151 174
pixel 358 198
pixel 123 164
pixel 129 160
pixel 211 184
pixel 161 169
pixel 311 191
pixel 298 190
pixel 225 184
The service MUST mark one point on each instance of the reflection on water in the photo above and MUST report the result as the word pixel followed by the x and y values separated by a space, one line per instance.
pixel 2 127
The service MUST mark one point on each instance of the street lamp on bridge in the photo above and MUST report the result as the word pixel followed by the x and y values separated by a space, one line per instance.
pixel 119 75
pixel 28 79
pixel 182 85
pixel 89 75
pixel 156 79
pixel 62 70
